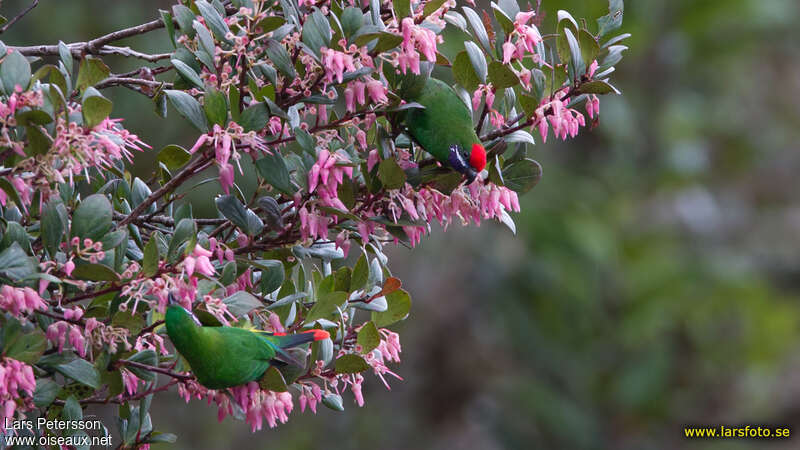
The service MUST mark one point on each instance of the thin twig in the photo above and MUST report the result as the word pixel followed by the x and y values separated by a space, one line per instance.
pixel 182 176
pixel 98 46
pixel 155 369
pixel 118 81
pixel 19 16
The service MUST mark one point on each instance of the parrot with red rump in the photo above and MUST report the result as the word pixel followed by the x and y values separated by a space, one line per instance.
pixel 444 129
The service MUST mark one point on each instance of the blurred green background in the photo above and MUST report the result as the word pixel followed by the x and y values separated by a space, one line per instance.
pixel 654 280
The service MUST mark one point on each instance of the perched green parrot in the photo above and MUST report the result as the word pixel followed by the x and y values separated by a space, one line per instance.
pixel 226 356
pixel 444 128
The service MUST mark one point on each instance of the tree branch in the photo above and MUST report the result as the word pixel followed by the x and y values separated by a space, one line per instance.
pixel 178 376
pixel 98 46
pixel 168 186
pixel 19 16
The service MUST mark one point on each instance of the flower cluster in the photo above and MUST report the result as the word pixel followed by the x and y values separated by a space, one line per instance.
pixel 415 38
pixel 19 301
pixel 338 166
pixel 225 141
pixel 15 377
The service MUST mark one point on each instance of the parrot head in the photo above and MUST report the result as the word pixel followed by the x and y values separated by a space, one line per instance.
pixel 469 163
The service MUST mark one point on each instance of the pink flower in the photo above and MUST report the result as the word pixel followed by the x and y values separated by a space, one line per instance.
pixel 335 63
pixel 130 381
pixel 19 301
pixel 349 99
pixel 372 159
pixel 377 91
pixel 275 323
pixel 508 52
pixel 592 69
pixel 69 266
pixel 73 313
pixel 15 377
pixel 415 37
pixel 356 387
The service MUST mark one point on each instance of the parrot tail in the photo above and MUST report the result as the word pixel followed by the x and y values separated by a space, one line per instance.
pixel 293 340
pixel 281 341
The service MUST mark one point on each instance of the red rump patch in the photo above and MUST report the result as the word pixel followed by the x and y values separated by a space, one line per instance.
pixel 319 334
pixel 477 158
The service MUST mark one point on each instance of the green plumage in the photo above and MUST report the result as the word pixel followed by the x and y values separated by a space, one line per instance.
pixel 444 122
pixel 223 357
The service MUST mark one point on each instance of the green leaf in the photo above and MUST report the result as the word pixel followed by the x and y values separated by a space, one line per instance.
pixel 174 156
pixel 38 142
pixel 273 170
pixel 15 233
pixel 139 193
pixel 503 18
pixel 271 23
pixel 399 305
pixel 81 371
pixel 577 65
pixel 15 71
pixel 360 274
pixel 464 73
pixel 28 347
pixel 352 20
pixel 92 218
pixel 72 410
pixel 95 272
pixel 478 30
pixel 478 60
pixel 241 303
pixel 185 232
pixel 326 305
pixel 368 337
pixel 206 41
pixel 279 57
pixel 216 107
pixel 91 72
pixel 612 20
pixel 8 188
pixel 271 211
pixel 351 363
pixel 254 117
pixel 402 8
pixel 244 218
pixel 522 176
pixel 333 401
pixel 150 258
pixel 66 56
pixel 166 19
pixel 184 16
pixel 272 275
pixel 147 357
pixel 54 224
pixel 273 380
pixel 431 7
pixel 213 19
pixel 589 46
pixel 15 264
pixel 316 32
pixel 502 76
pixel 597 87
pixel 132 322
pixel 391 174
pixel 519 136
pixel 45 393
pixel 187 73
pixel 189 108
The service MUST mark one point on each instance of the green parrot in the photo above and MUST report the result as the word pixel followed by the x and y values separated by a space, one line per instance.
pixel 444 128
pixel 224 357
